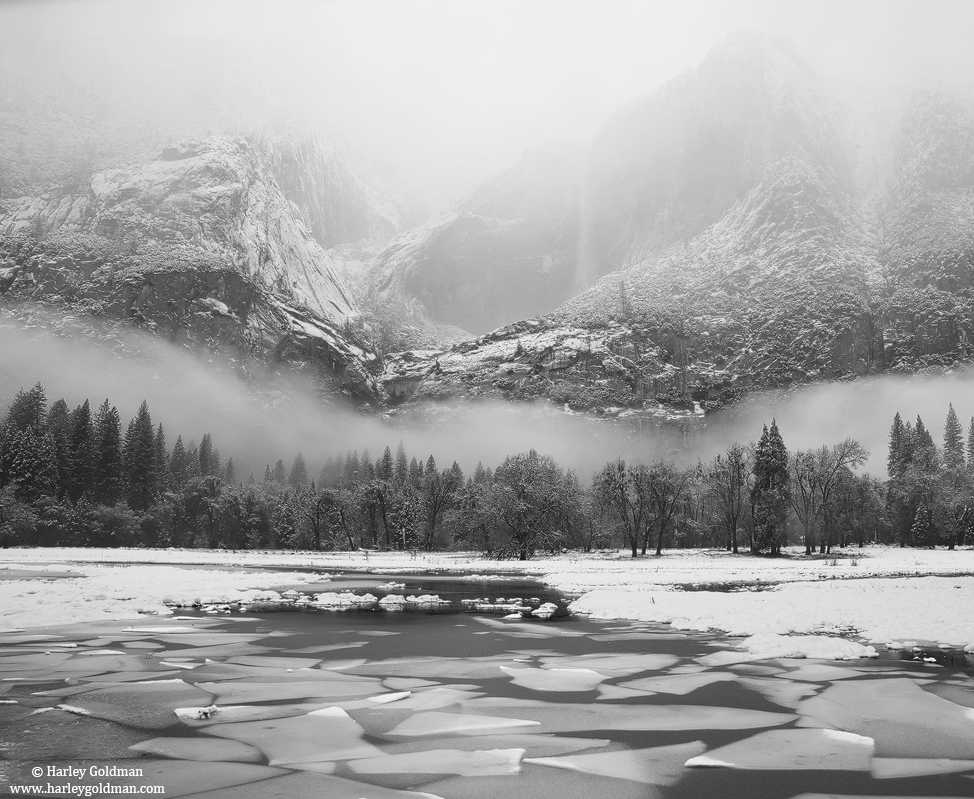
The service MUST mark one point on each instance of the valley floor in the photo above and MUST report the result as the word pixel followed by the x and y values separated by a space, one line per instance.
pixel 873 596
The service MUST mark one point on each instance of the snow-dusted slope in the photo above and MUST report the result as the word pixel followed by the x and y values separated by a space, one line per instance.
pixel 217 242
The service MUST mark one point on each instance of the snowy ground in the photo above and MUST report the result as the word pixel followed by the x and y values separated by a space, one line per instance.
pixel 879 594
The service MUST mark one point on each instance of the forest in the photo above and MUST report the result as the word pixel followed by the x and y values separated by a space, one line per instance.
pixel 72 477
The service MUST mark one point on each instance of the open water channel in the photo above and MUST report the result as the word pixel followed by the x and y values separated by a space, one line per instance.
pixel 455 701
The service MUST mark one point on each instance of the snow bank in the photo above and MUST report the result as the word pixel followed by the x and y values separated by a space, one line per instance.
pixel 99 593
pixel 925 609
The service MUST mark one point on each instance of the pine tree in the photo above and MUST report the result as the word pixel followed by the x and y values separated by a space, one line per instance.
pixel 268 475
pixel 81 454
pixel 953 440
pixel 177 464
pixel 279 474
pixel 770 492
pixel 478 473
pixel 58 425
pixel 108 467
pixel 298 477
pixel 922 532
pixel 230 472
pixel 970 445
pixel 350 475
pixel 205 455
pixel 28 409
pixel 895 463
pixel 139 455
pixel 401 473
pixel 385 467
pixel 163 475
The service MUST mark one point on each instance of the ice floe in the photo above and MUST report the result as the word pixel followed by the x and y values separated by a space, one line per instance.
pixel 788 750
pixel 200 749
pixel 678 684
pixel 904 720
pixel 660 765
pixel 475 763
pixel 554 679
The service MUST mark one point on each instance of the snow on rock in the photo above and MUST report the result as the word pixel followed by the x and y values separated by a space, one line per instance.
pixel 805 646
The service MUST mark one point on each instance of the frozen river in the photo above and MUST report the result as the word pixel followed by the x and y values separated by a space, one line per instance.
pixel 385 704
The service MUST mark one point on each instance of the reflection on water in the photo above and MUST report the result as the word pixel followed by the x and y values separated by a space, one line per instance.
pixel 398 705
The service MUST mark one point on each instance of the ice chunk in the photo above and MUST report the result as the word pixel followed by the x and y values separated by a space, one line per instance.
pixel 539 782
pixel 226 714
pixel 607 692
pixel 272 662
pixel 314 650
pixel 904 720
pixel 553 679
pixel 778 691
pixel 435 698
pixel 436 723
pixel 958 694
pixel 476 763
pixel 305 784
pixel 615 665
pixel 200 749
pixel 791 750
pixel 149 705
pixel 820 672
pixel 9 665
pixel 535 745
pixel 318 736
pixel 660 765
pixel 436 668
pixel 569 717
pixel 232 671
pixel 237 692
pixel 884 768
pixel 678 684
pixel 405 683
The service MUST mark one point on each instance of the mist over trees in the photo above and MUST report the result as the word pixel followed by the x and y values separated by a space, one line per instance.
pixel 77 477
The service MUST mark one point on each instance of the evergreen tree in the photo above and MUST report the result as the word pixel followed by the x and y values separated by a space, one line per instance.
pixel 351 474
pixel 953 440
pixel 81 454
pixel 970 445
pixel 177 464
pixel 279 474
pixel 922 533
pixel 479 474
pixel 205 455
pixel 139 455
pixel 163 475
pixel 401 472
pixel 28 409
pixel 385 467
pixel 895 462
pixel 268 475
pixel 108 466
pixel 770 495
pixel 58 425
pixel 230 472
pixel 298 477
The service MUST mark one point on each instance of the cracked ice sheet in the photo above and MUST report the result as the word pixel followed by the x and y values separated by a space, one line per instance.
pixel 236 692
pixel 885 768
pixel 568 717
pixel 678 684
pixel 436 668
pixel 539 745
pixel 539 782
pixel 792 750
pixel 322 735
pixel 904 720
pixel 554 679
pixel 434 723
pixel 150 705
pixel 475 763
pixel 311 786
pixel 200 749
pixel 615 664
pixel 779 692
pixel 659 765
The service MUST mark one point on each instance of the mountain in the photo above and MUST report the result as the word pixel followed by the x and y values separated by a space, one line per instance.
pixel 231 246
pixel 733 235
pixel 505 252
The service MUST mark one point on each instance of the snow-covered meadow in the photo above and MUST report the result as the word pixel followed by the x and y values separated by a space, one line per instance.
pixel 878 595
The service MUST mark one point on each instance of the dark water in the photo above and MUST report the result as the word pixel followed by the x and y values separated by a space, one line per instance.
pixel 425 642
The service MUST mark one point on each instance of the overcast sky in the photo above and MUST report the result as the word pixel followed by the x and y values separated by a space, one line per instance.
pixel 449 89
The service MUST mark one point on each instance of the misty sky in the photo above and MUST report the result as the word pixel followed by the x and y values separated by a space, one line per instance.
pixel 444 90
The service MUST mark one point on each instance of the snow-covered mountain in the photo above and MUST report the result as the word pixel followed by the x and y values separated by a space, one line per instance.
pixel 732 234
pixel 232 246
